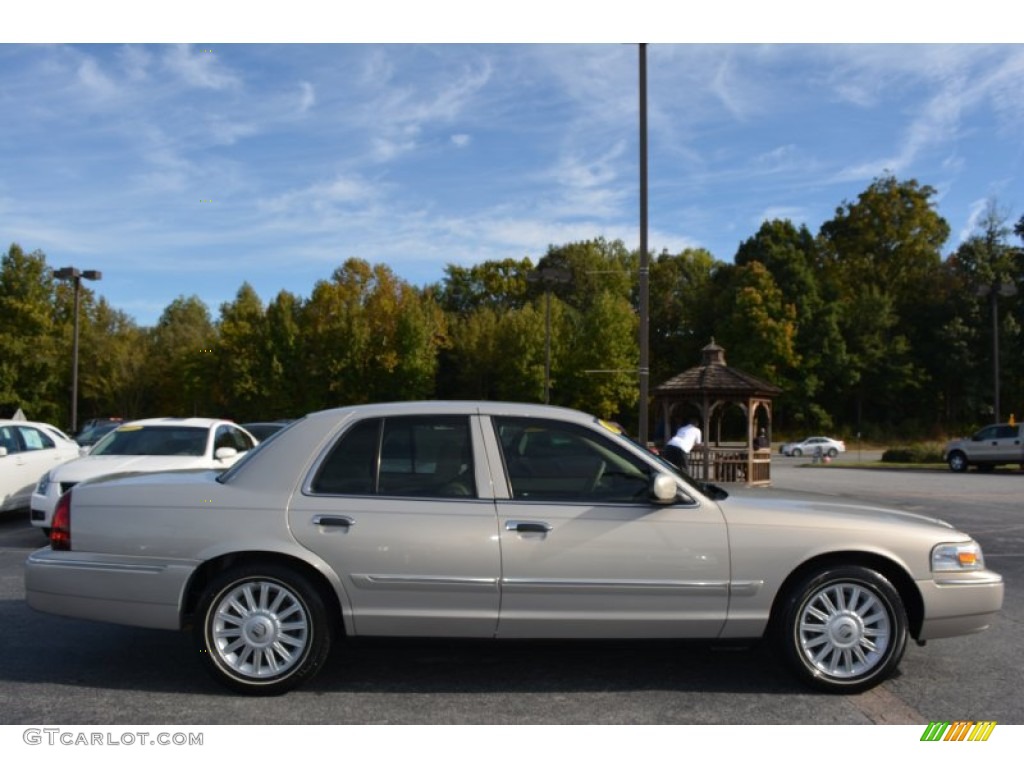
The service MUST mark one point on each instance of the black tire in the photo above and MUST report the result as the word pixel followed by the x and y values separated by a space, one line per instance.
pixel 957 461
pixel 832 453
pixel 843 629
pixel 796 452
pixel 262 630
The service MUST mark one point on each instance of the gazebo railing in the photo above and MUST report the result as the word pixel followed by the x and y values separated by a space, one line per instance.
pixel 731 465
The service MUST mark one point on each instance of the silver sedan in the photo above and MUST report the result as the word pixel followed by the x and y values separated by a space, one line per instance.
pixel 497 520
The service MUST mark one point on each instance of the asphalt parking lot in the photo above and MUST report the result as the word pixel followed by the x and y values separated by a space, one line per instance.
pixel 58 670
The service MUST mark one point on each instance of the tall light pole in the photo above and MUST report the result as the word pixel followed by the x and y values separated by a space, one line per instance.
pixel 548 277
pixel 75 276
pixel 994 291
pixel 645 296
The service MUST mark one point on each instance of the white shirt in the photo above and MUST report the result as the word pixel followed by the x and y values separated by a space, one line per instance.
pixel 687 437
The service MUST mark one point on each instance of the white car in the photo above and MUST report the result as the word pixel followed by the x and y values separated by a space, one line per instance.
pixel 27 450
pixel 148 445
pixel 814 446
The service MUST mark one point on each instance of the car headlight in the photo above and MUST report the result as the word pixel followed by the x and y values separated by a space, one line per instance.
pixel 965 556
pixel 43 484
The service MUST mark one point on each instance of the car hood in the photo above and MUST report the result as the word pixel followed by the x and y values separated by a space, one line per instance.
pixel 88 467
pixel 805 509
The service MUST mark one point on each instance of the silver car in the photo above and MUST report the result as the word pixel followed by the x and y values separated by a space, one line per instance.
pixel 497 520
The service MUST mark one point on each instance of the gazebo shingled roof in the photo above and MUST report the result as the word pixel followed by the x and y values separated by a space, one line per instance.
pixel 714 377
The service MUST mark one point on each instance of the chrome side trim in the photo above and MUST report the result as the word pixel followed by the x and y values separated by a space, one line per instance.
pixel 387 581
pixel 746 588
pixel 968 581
pixel 619 585
pixel 92 565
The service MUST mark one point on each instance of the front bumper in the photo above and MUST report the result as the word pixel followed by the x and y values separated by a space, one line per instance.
pixel 960 603
pixel 136 591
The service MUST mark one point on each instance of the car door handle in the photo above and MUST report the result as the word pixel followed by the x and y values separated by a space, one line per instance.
pixel 527 526
pixel 333 521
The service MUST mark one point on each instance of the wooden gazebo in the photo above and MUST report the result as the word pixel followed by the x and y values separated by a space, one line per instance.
pixel 710 387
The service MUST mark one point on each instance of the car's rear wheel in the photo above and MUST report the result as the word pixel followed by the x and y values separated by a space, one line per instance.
pixel 957 461
pixel 262 630
pixel 843 629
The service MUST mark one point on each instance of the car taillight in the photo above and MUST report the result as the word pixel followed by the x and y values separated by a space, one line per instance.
pixel 60 526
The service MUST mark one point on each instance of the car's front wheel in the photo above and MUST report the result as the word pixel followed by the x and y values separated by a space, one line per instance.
pixel 957 461
pixel 843 629
pixel 262 630
pixel 832 453
pixel 796 452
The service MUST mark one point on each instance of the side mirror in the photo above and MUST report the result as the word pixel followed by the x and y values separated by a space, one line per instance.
pixel 714 492
pixel 664 489
pixel 225 453
pixel 3 450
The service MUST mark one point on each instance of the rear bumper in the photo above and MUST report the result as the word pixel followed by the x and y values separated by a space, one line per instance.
pixel 960 604
pixel 124 590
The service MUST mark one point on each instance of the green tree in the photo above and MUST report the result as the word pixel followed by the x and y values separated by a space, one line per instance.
pixel 792 257
pixel 599 372
pixel 242 358
pixel 878 254
pixel 35 364
pixel 498 284
pixel 683 296
pixel 988 269
pixel 287 383
pixel 113 354
pixel 181 369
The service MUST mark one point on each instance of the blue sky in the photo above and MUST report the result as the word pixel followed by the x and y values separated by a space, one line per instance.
pixel 181 169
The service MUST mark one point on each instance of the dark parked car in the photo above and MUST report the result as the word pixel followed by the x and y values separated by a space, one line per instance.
pixel 94 429
pixel 261 430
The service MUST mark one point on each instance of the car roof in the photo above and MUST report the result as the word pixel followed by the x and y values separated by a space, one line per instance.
pixel 482 407
pixel 23 423
pixel 175 421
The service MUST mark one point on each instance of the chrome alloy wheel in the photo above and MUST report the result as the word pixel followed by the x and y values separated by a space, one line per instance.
pixel 259 629
pixel 844 630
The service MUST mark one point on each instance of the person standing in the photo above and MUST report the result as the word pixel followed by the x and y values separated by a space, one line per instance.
pixel 678 449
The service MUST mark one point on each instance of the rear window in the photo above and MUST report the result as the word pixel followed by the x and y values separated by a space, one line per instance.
pixel 153 441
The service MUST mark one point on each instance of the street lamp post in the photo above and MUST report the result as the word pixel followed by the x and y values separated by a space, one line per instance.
pixel 75 276
pixel 994 291
pixel 644 276
pixel 548 277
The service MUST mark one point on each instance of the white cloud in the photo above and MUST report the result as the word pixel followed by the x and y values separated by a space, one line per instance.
pixel 307 97
pixel 198 67
pixel 92 77
pixel 461 140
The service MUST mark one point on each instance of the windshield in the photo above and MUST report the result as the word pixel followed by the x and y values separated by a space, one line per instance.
pixel 153 441
pixel 708 489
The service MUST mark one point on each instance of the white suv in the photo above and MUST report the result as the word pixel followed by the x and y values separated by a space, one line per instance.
pixel 148 445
